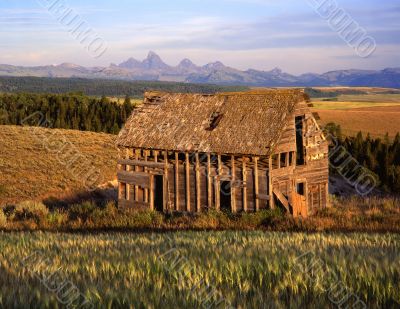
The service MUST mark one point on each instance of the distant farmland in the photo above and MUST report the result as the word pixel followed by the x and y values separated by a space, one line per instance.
pixel 376 114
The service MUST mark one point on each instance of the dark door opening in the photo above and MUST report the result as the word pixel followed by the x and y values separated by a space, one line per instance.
pixel 301 188
pixel 300 140
pixel 225 195
pixel 158 193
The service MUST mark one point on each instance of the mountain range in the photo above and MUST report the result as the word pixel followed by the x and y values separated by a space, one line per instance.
pixel 155 69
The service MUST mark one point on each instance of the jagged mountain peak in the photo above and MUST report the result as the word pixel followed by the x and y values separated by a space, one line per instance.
pixel 186 63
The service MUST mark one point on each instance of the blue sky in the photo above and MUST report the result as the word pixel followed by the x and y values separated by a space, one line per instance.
pixel 259 34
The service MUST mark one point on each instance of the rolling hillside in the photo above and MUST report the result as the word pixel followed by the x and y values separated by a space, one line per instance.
pixel 42 163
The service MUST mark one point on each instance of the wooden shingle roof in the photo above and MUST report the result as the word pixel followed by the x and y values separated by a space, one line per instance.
pixel 225 123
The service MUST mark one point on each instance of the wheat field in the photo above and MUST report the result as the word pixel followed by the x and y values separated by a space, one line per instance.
pixel 199 270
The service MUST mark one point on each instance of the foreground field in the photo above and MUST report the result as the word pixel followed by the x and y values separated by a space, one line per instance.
pixel 36 163
pixel 200 269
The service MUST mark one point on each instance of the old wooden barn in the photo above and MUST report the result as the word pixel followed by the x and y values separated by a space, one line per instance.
pixel 244 151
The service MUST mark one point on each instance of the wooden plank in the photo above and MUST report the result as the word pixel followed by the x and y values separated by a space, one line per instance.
pixel 165 182
pixel 132 204
pixel 244 175
pixel 134 178
pixel 120 186
pixel 233 189
pixel 146 190
pixel 270 184
pixel 151 192
pixel 282 199
pixel 198 191
pixel 209 184
pixel 187 179
pixel 137 153
pixel 218 184
pixel 127 186
pixel 256 184
pixel 141 163
pixel 176 181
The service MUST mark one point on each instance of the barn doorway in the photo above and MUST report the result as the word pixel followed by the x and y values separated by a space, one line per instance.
pixel 158 193
pixel 225 196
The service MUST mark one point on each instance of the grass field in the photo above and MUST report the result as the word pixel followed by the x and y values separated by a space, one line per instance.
pixel 199 270
pixel 38 163
pixel 376 113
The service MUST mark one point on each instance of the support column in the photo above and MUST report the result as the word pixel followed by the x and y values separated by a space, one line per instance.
pixel 187 168
pixel 165 183
pixel 127 186
pixel 198 185
pixel 209 181
pixel 146 191
pixel 218 185
pixel 233 185
pixel 270 187
pixel 137 154
pixel 256 184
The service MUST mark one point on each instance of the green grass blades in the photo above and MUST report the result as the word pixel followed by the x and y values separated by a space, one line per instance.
pixel 199 269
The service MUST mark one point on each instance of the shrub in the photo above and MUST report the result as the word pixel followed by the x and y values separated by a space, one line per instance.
pixel 30 210
pixel 82 211
pixel 57 219
pixel 3 219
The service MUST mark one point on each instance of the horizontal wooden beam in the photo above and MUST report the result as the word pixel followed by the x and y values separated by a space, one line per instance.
pixel 142 163
pixel 132 204
pixel 134 178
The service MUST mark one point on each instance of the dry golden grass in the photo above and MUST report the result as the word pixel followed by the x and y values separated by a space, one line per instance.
pixel 375 120
pixel 36 163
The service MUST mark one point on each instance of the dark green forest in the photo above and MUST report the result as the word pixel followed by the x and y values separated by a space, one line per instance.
pixel 380 156
pixel 102 87
pixel 73 111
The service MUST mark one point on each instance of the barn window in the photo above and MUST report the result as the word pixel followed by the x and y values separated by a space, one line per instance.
pixel 300 188
pixel 300 140
pixel 283 159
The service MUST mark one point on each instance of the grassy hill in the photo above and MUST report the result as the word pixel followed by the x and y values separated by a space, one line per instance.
pixel 37 163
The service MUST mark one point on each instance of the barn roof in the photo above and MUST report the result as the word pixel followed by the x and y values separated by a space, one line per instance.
pixel 226 123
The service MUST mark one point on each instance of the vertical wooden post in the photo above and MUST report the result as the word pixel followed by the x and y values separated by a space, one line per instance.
pixel 198 193
pixel 279 161
pixel 218 184
pixel 233 185
pixel 137 151
pixel 270 188
pixel 151 193
pixel 256 185
pixel 244 175
pixel 165 182
pixel 177 181
pixel 209 184
pixel 328 202
pixel 287 159
pixel 187 167
pixel 127 186
pixel 146 191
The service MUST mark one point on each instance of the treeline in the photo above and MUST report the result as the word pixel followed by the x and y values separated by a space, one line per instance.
pixel 381 156
pixel 73 111
pixel 103 87
pixel 318 93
